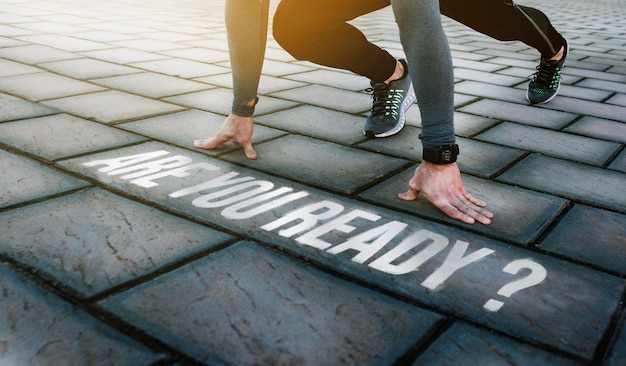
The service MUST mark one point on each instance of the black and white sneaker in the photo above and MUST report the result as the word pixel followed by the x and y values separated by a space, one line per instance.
pixel 546 82
pixel 391 101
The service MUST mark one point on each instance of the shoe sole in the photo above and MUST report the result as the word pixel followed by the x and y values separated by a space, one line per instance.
pixel 406 104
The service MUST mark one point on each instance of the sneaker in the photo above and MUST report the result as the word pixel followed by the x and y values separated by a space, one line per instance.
pixel 391 101
pixel 545 83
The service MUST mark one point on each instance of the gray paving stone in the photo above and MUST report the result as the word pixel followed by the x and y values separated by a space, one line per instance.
pixel 183 128
pixel 618 356
pixel 12 108
pixel 476 157
pixel 587 108
pixel 270 310
pixel 323 96
pixel 149 45
pixel 601 188
pixel 102 35
pixel 87 68
pixel 619 163
pixel 613 86
pixel 590 235
pixel 618 99
pixel 277 68
pixel 44 85
pixel 124 56
pixel 338 79
pixel 267 84
pixel 553 143
pixel 485 77
pixel 62 135
pixel 467 125
pixel 38 328
pixel 65 43
pixel 151 84
pixel 552 313
pixel 112 106
pixel 463 345
pixel 317 122
pixel 198 54
pixel 320 163
pixel 520 215
pixel 24 180
pixel 47 27
pixel 33 54
pixel 525 114
pixel 220 101
pixel 10 68
pixel 600 128
pixel 181 68
pixel 99 240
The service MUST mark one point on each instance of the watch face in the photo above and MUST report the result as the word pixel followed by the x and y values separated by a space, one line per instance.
pixel 446 154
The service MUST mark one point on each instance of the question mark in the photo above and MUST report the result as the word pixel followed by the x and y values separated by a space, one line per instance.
pixel 537 276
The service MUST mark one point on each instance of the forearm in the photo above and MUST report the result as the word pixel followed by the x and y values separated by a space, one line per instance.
pixel 246 27
pixel 430 65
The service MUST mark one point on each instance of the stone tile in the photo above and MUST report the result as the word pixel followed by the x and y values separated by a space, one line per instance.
pixel 46 27
pixel 590 235
pixel 465 345
pixel 99 240
pixel 181 68
pixel 520 215
pixel 62 135
pixel 618 356
pixel 317 122
pixel 529 115
pixel 220 101
pixel 15 108
pixel 102 35
pixel 601 187
pixel 467 125
pixel 151 84
pixel 38 328
pixel 618 99
pixel 112 106
pixel 198 54
pixel 45 85
pixel 11 31
pixel 124 56
pixel 34 54
pixel 323 96
pixel 337 79
pixel 268 309
pixel 65 43
pixel 87 68
pixel 277 68
pixel 600 128
pixel 324 164
pixel 587 108
pixel 553 143
pixel 485 77
pixel 552 313
pixel 476 157
pixel 10 68
pixel 25 180
pixel 183 128
pixel 613 86
pixel 148 45
pixel 619 163
pixel 267 84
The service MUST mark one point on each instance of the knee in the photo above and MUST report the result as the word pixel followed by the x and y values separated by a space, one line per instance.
pixel 294 32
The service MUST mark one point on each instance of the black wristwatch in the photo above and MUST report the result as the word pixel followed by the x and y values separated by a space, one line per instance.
pixel 444 154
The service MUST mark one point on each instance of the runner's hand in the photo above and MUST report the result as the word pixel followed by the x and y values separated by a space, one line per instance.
pixel 234 129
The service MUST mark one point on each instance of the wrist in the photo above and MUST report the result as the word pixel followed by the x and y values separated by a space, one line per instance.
pixel 441 155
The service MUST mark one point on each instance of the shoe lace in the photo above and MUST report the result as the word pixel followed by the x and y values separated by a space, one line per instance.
pixel 547 75
pixel 387 100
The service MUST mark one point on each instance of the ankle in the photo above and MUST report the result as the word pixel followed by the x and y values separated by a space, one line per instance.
pixel 397 73
pixel 559 55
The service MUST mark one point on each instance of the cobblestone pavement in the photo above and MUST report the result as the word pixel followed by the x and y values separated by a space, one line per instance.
pixel 122 244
